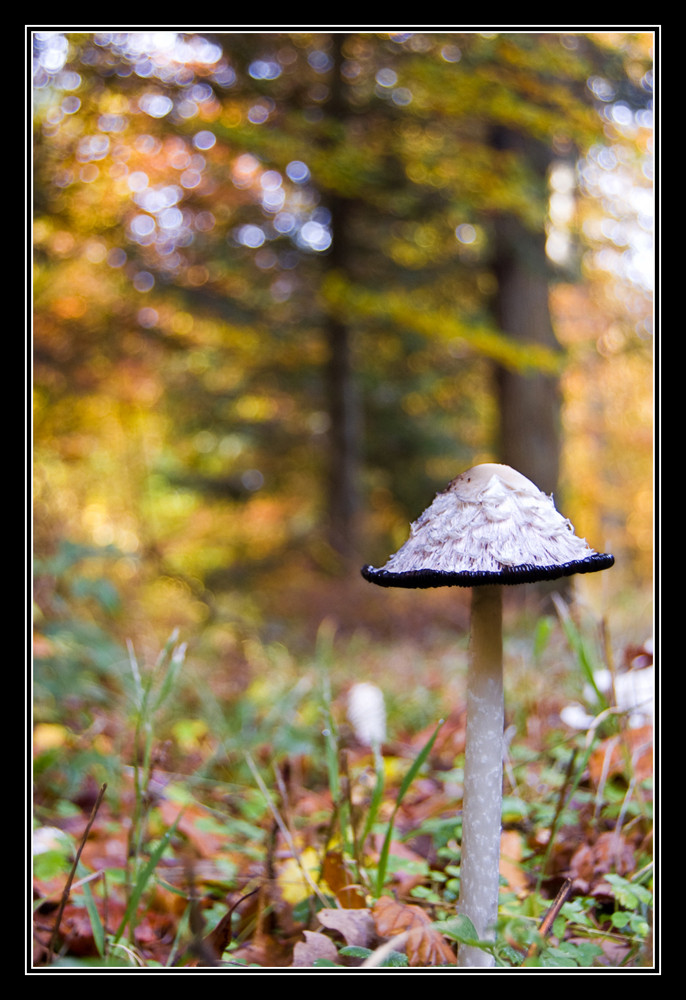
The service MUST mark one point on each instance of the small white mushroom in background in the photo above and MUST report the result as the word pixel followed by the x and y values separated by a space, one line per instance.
pixel 491 527
pixel 367 713
pixel 632 692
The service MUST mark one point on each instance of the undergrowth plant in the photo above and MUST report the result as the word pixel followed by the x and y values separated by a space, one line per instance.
pixel 152 689
pixel 241 800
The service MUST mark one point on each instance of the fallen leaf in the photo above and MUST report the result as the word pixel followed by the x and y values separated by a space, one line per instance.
pixel 340 881
pixel 356 927
pixel 511 861
pixel 581 866
pixel 191 824
pixel 315 946
pixel 633 749
pixel 296 876
pixel 425 946
pixel 218 940
pixel 613 854
pixel 610 852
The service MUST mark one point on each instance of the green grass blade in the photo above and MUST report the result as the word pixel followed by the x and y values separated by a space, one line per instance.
pixel 96 922
pixel 176 662
pixel 144 877
pixel 377 794
pixel 417 764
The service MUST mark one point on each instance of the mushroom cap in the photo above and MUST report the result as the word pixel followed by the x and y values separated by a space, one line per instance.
pixel 491 525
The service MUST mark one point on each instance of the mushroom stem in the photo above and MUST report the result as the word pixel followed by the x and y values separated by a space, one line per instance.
pixel 483 778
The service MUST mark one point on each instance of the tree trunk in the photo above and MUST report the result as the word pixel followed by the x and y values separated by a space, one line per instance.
pixel 528 405
pixel 344 438
pixel 343 397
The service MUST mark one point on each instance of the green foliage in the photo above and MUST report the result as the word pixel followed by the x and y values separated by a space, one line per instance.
pixel 585 655
pixel 76 606
pixel 394 959
pixel 53 850
pixel 240 817
pixel 410 776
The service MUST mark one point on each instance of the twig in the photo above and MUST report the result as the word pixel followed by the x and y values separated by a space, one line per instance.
pixel 550 916
pixel 383 951
pixel 561 798
pixel 67 887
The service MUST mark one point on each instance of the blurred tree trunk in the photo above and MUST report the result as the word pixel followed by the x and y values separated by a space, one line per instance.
pixel 344 430
pixel 343 398
pixel 528 404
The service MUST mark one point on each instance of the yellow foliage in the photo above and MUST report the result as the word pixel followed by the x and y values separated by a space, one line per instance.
pixel 295 877
pixel 49 736
pixel 423 317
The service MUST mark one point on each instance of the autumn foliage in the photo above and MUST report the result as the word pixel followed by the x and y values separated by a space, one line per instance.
pixel 266 328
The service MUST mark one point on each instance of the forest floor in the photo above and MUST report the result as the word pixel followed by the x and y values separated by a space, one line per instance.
pixel 233 818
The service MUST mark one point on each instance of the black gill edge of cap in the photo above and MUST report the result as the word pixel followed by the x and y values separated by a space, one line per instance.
pixel 425 578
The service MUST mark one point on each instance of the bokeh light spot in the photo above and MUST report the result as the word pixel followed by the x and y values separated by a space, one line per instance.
pixel 251 236
pixel 264 69
pixel 284 222
pixel 147 317
pixel 155 105
pixel 252 480
pixel 298 172
pixel 465 233
pixel 401 96
pixel 315 236
pixel 142 226
pixel 143 281
pixel 386 78
pixel 116 257
pixel 204 222
pixel 320 62
pixel 204 139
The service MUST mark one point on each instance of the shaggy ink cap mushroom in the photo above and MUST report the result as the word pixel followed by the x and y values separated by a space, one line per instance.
pixel 491 527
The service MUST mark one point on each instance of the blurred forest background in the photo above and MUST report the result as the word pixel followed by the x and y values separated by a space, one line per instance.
pixel 286 287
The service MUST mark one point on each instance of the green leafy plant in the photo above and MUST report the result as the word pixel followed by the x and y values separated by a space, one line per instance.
pixel 410 776
pixel 152 689
pixel 77 661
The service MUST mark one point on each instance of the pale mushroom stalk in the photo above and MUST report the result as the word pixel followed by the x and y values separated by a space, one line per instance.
pixel 483 773
pixel 490 527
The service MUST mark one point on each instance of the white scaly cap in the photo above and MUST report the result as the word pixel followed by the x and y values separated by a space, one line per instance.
pixel 491 525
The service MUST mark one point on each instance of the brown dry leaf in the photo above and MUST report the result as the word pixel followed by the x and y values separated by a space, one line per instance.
pixel 218 940
pixel 633 749
pixel 77 933
pixel 510 860
pixel 206 843
pixel 314 946
pixel 613 853
pixel 425 946
pixel 610 852
pixel 355 926
pixel 265 952
pixel 340 881
pixel 581 865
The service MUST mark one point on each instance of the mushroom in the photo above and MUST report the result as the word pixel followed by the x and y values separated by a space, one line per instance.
pixel 491 527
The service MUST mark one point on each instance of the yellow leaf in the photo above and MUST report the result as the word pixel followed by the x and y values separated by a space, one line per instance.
pixel 49 736
pixel 292 880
